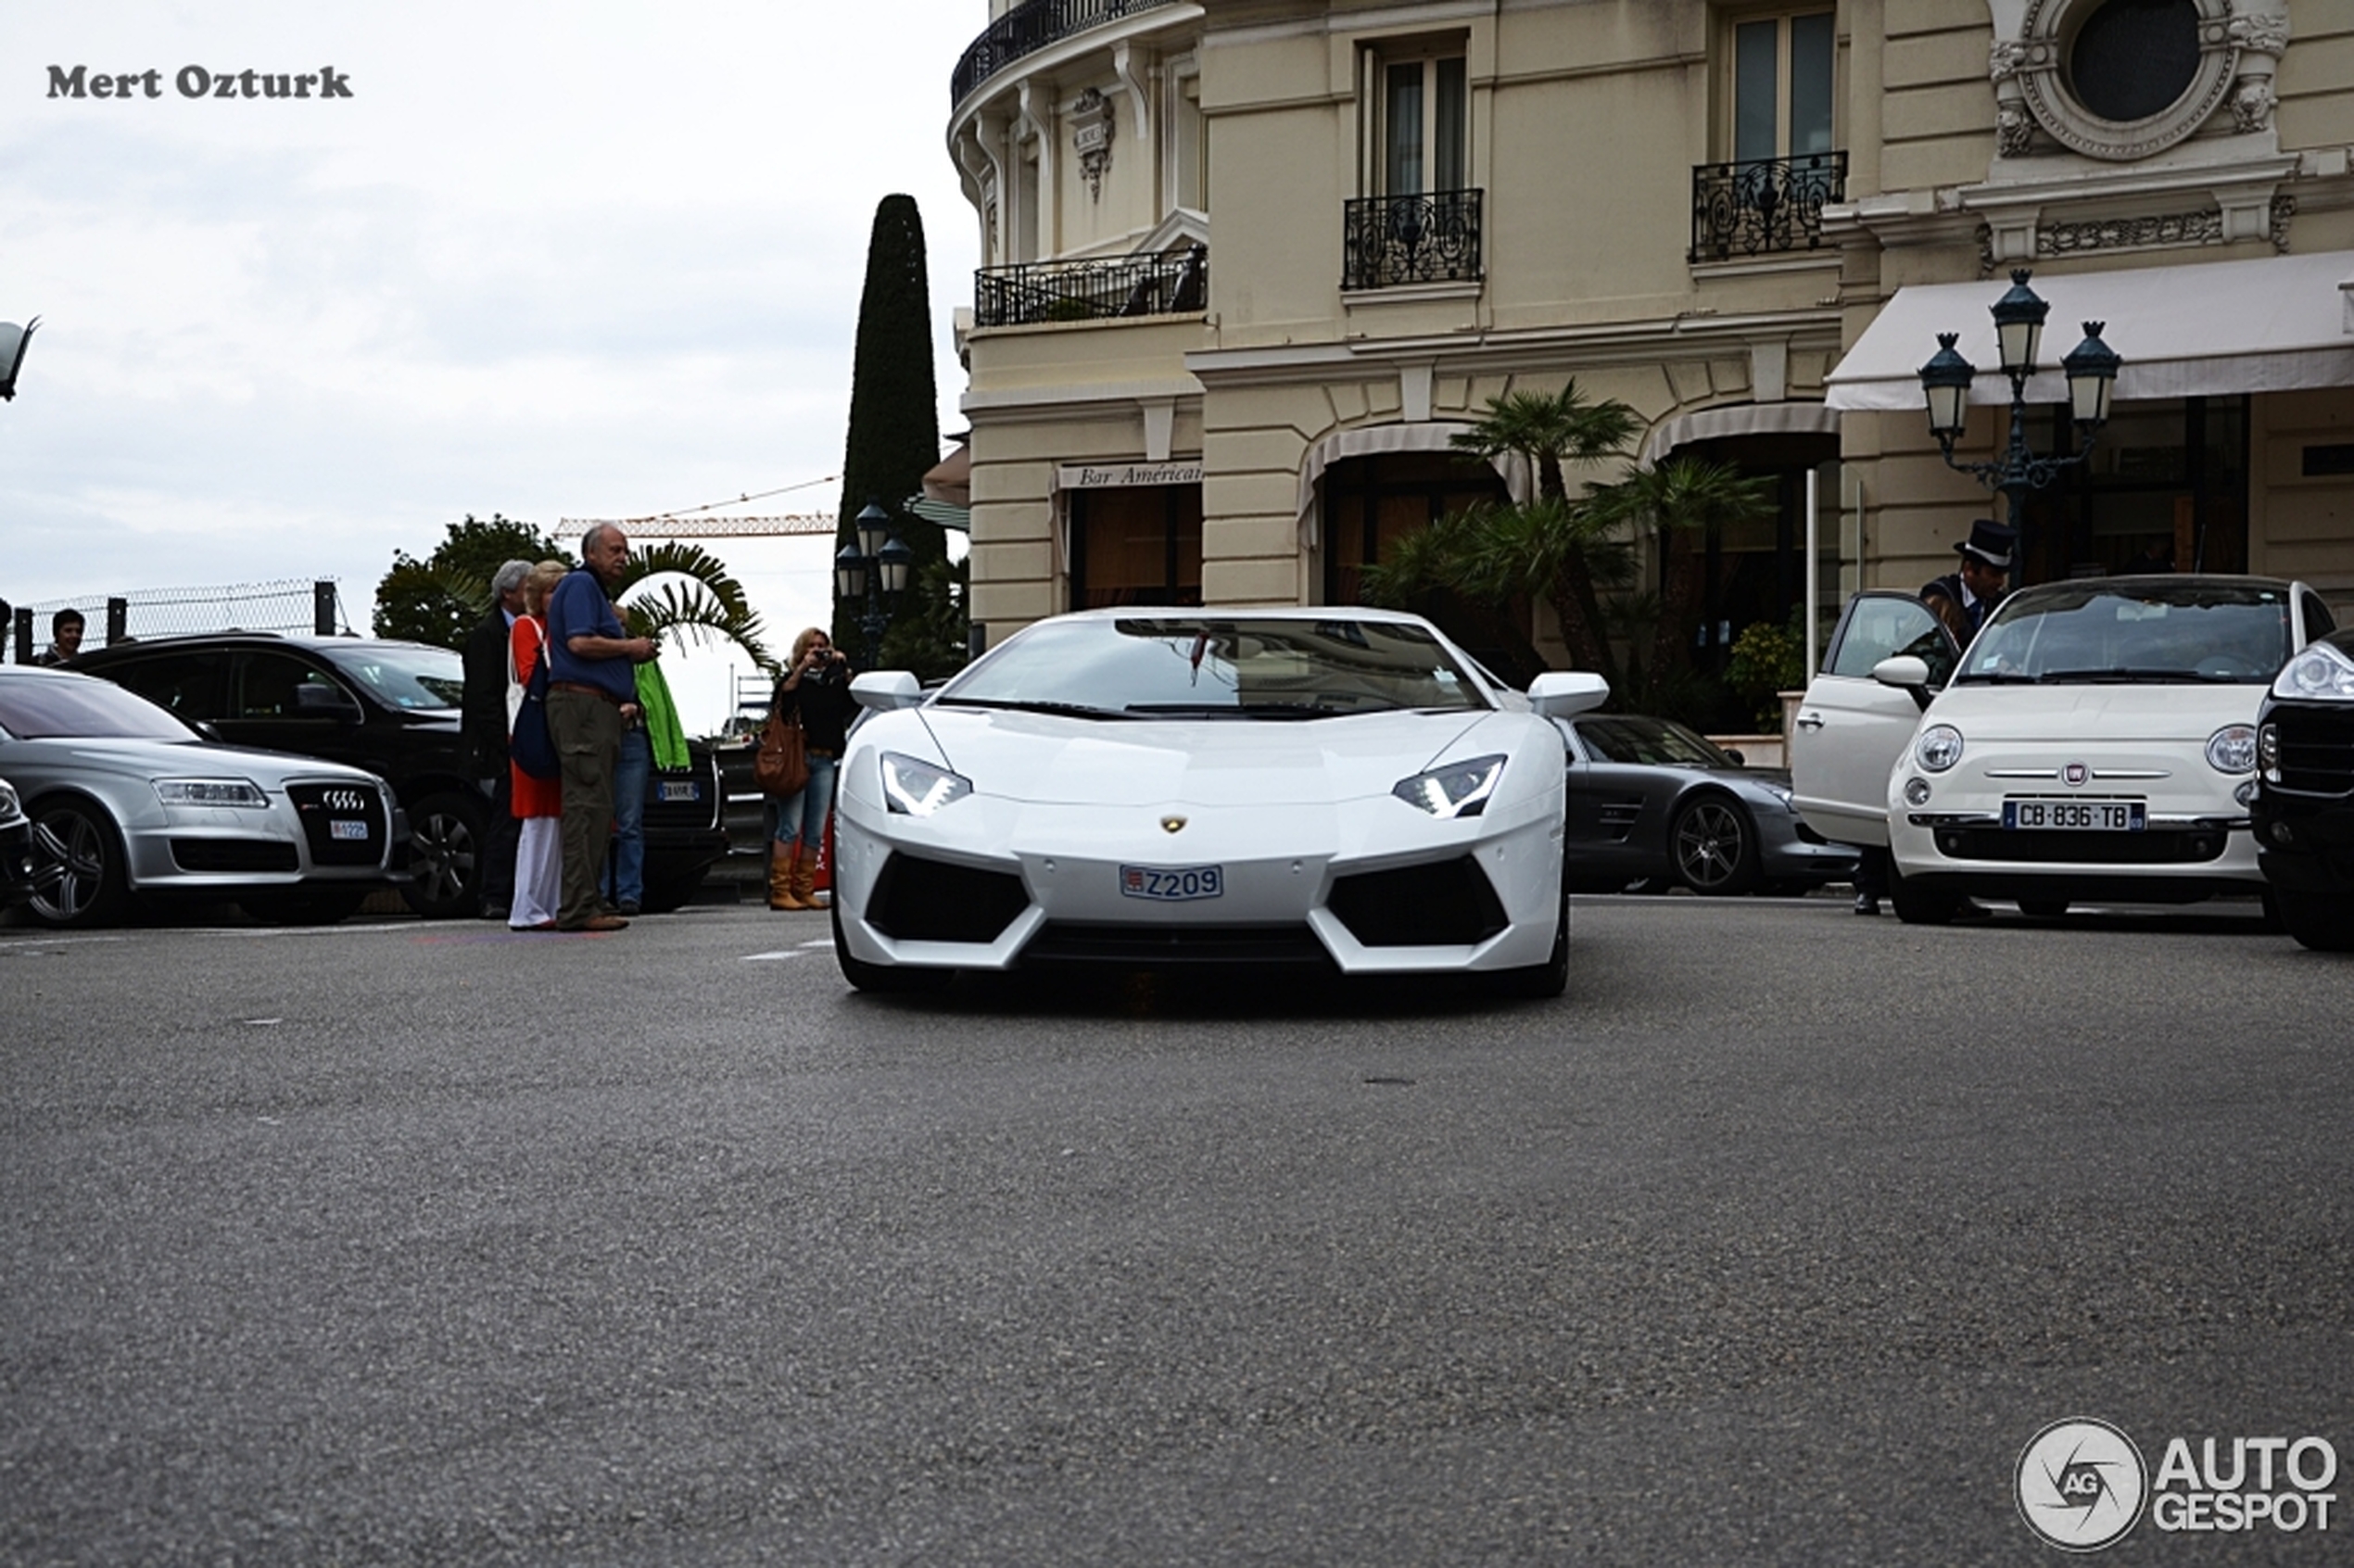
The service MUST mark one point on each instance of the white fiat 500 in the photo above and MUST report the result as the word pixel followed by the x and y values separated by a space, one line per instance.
pixel 1337 790
pixel 2096 740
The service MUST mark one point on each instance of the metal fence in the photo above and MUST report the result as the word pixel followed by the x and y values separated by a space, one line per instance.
pixel 293 604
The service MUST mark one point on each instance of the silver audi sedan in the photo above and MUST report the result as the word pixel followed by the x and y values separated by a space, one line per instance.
pixel 126 801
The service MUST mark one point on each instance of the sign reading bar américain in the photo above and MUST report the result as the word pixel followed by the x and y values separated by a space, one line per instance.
pixel 1107 476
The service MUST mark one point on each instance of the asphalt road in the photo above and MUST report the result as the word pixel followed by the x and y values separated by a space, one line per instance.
pixel 1773 1242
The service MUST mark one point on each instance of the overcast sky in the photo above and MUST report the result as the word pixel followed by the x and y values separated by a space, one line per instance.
pixel 556 261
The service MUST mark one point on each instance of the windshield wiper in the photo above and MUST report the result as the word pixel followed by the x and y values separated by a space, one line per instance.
pixel 1247 710
pixel 1064 710
pixel 1997 677
pixel 2119 676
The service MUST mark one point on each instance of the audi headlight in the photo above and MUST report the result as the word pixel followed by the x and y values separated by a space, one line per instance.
pixel 2232 749
pixel 917 789
pixel 1458 790
pixel 1938 748
pixel 2319 673
pixel 212 792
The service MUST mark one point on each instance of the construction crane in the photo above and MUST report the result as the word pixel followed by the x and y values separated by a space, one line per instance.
pixel 710 527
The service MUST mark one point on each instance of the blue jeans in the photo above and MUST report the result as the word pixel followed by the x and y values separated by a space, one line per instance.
pixel 802 818
pixel 631 774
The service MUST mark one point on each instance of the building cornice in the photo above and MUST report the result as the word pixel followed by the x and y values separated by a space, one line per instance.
pixel 1693 335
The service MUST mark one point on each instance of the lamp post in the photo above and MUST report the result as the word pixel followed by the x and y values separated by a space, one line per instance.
pixel 14 340
pixel 874 568
pixel 2091 369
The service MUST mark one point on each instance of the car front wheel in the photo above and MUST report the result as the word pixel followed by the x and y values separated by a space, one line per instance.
pixel 446 847
pixel 1714 847
pixel 79 875
pixel 2316 920
pixel 1917 905
pixel 882 979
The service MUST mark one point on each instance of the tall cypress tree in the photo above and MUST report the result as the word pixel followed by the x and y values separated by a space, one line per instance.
pixel 894 407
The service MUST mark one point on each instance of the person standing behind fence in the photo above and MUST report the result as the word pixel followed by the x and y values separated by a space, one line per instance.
pixel 592 695
pixel 65 638
pixel 816 689
pixel 537 804
pixel 488 706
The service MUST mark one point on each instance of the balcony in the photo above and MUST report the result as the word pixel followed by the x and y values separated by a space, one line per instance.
pixel 1029 293
pixel 1030 27
pixel 1763 205
pixel 1386 241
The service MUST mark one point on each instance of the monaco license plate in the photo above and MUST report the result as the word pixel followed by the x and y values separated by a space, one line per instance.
pixel 340 828
pixel 682 791
pixel 2075 816
pixel 1172 885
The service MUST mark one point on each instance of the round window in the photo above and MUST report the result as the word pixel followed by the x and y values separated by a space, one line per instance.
pixel 2135 59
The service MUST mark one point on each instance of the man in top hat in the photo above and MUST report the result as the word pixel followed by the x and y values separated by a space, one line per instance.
pixel 1963 599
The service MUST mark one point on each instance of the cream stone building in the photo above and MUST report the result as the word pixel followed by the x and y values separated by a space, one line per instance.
pixel 1251 263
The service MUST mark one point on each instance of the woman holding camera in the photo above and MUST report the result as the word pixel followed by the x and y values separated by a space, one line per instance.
pixel 814 693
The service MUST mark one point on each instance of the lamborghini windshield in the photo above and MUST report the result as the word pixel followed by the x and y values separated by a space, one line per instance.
pixel 2139 631
pixel 1191 666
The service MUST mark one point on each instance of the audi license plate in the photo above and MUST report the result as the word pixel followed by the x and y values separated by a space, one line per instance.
pixel 1172 885
pixel 2075 816
pixel 683 791
pixel 339 828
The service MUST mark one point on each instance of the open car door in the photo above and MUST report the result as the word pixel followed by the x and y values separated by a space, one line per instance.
pixel 1851 730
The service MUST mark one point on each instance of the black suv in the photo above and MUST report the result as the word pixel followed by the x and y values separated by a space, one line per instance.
pixel 393 709
pixel 2304 809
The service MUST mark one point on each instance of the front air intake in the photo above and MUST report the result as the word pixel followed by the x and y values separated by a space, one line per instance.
pixel 919 900
pixel 1449 903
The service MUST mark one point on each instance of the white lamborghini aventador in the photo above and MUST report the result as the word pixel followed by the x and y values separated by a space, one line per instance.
pixel 1337 790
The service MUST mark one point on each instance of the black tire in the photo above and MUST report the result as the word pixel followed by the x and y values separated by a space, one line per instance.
pixel 1917 905
pixel 445 850
pixel 304 907
pixel 2043 908
pixel 881 979
pixel 80 874
pixel 664 895
pixel 2316 920
pixel 1713 846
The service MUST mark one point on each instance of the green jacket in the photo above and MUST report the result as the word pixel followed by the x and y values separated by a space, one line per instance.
pixel 663 730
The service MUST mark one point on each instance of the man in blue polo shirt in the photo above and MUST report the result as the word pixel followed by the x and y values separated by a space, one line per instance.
pixel 592 696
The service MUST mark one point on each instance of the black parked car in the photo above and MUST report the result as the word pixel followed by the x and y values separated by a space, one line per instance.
pixel 393 708
pixel 2304 808
pixel 1652 801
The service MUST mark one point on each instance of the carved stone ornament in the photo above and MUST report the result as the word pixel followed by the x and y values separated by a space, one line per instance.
pixel 2238 44
pixel 1091 124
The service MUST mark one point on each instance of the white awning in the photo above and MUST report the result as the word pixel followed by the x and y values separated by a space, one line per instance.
pixel 1736 419
pixel 2278 324
pixel 1374 440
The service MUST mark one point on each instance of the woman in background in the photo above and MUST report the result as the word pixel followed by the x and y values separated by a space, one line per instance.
pixel 816 692
pixel 538 803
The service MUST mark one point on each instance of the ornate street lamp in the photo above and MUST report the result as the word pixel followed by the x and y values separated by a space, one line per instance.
pixel 14 339
pixel 874 568
pixel 2091 369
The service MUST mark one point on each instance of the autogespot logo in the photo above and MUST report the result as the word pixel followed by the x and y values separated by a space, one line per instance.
pixel 2081 1483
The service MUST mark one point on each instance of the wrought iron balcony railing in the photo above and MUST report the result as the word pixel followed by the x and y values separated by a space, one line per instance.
pixel 1762 205
pixel 1409 239
pixel 1028 28
pixel 1031 292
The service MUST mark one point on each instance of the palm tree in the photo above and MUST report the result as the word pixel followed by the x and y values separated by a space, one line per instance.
pixel 700 599
pixel 1681 496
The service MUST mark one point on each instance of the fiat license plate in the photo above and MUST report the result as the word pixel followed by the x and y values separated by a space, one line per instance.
pixel 1173 884
pixel 2075 816
pixel 684 790
pixel 338 828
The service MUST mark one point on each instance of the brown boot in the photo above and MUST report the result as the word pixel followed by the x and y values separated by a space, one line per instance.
pixel 781 867
pixel 804 878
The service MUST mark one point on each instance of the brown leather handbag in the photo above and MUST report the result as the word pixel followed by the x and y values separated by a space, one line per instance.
pixel 781 768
